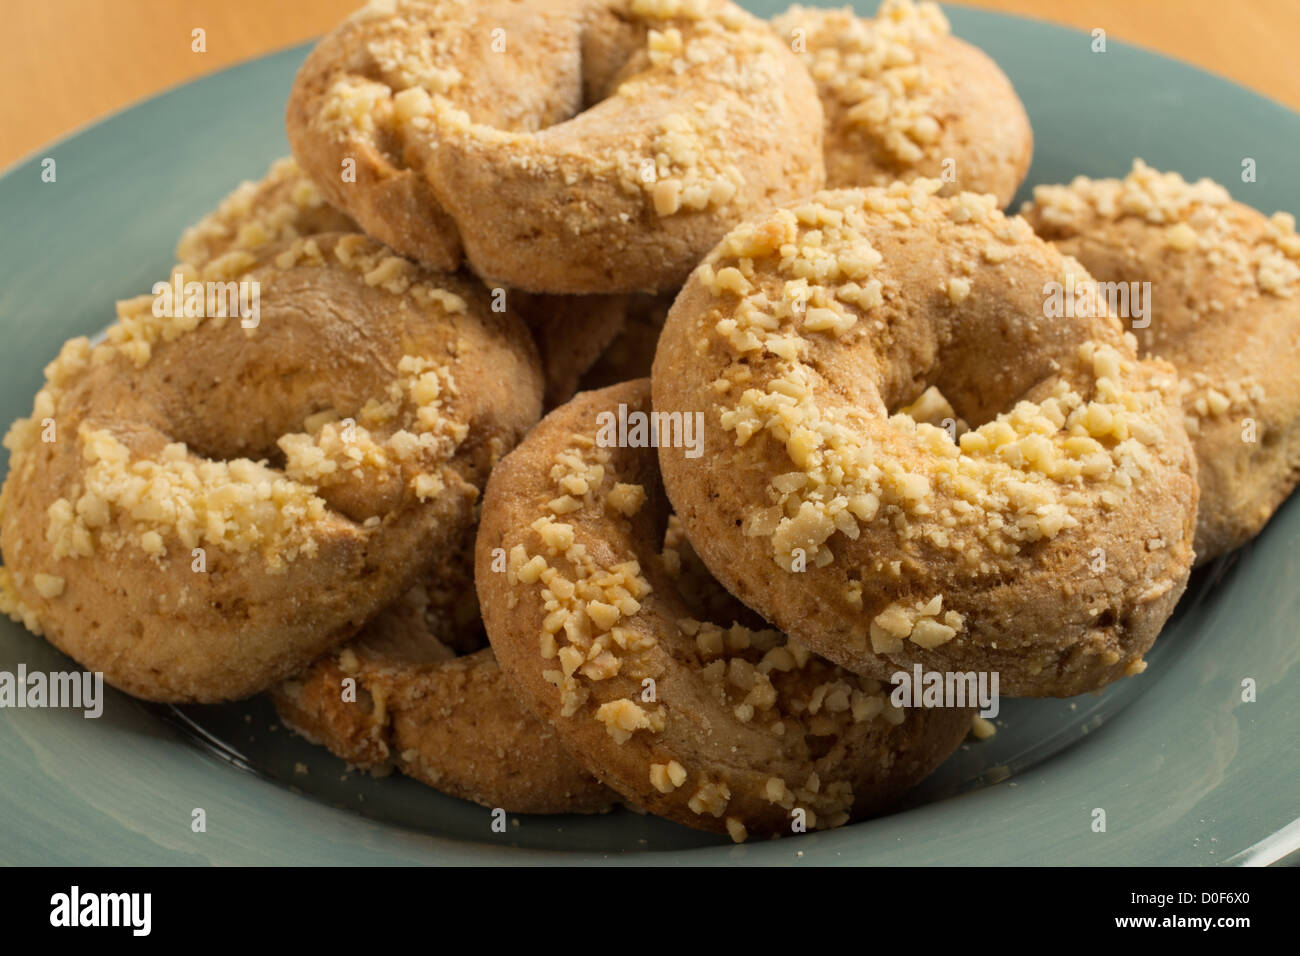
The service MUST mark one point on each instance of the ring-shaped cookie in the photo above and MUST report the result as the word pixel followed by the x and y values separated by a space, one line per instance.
pixel 1049 544
pixel 1222 304
pixel 714 725
pixel 202 505
pixel 560 146
pixel 904 99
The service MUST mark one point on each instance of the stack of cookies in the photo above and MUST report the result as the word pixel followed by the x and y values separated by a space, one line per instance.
pixel 809 420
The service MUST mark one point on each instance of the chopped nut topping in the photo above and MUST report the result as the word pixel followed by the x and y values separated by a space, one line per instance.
pixel 870 75
pixel 1010 480
pixel 1196 217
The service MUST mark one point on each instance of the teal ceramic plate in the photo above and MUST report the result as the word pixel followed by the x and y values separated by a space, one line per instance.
pixel 1185 770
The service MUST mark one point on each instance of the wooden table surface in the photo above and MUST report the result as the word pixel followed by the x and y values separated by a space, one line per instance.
pixel 68 62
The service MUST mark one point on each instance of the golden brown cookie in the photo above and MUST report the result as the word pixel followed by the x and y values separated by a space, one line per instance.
pixel 1049 543
pixel 571 332
pixel 904 98
pixel 451 722
pixel 1222 303
pixel 201 506
pixel 715 725
pixel 560 146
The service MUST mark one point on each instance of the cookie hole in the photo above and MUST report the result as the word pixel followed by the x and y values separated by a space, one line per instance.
pixel 819 747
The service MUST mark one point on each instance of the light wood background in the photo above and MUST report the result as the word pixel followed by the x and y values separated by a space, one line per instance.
pixel 68 62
